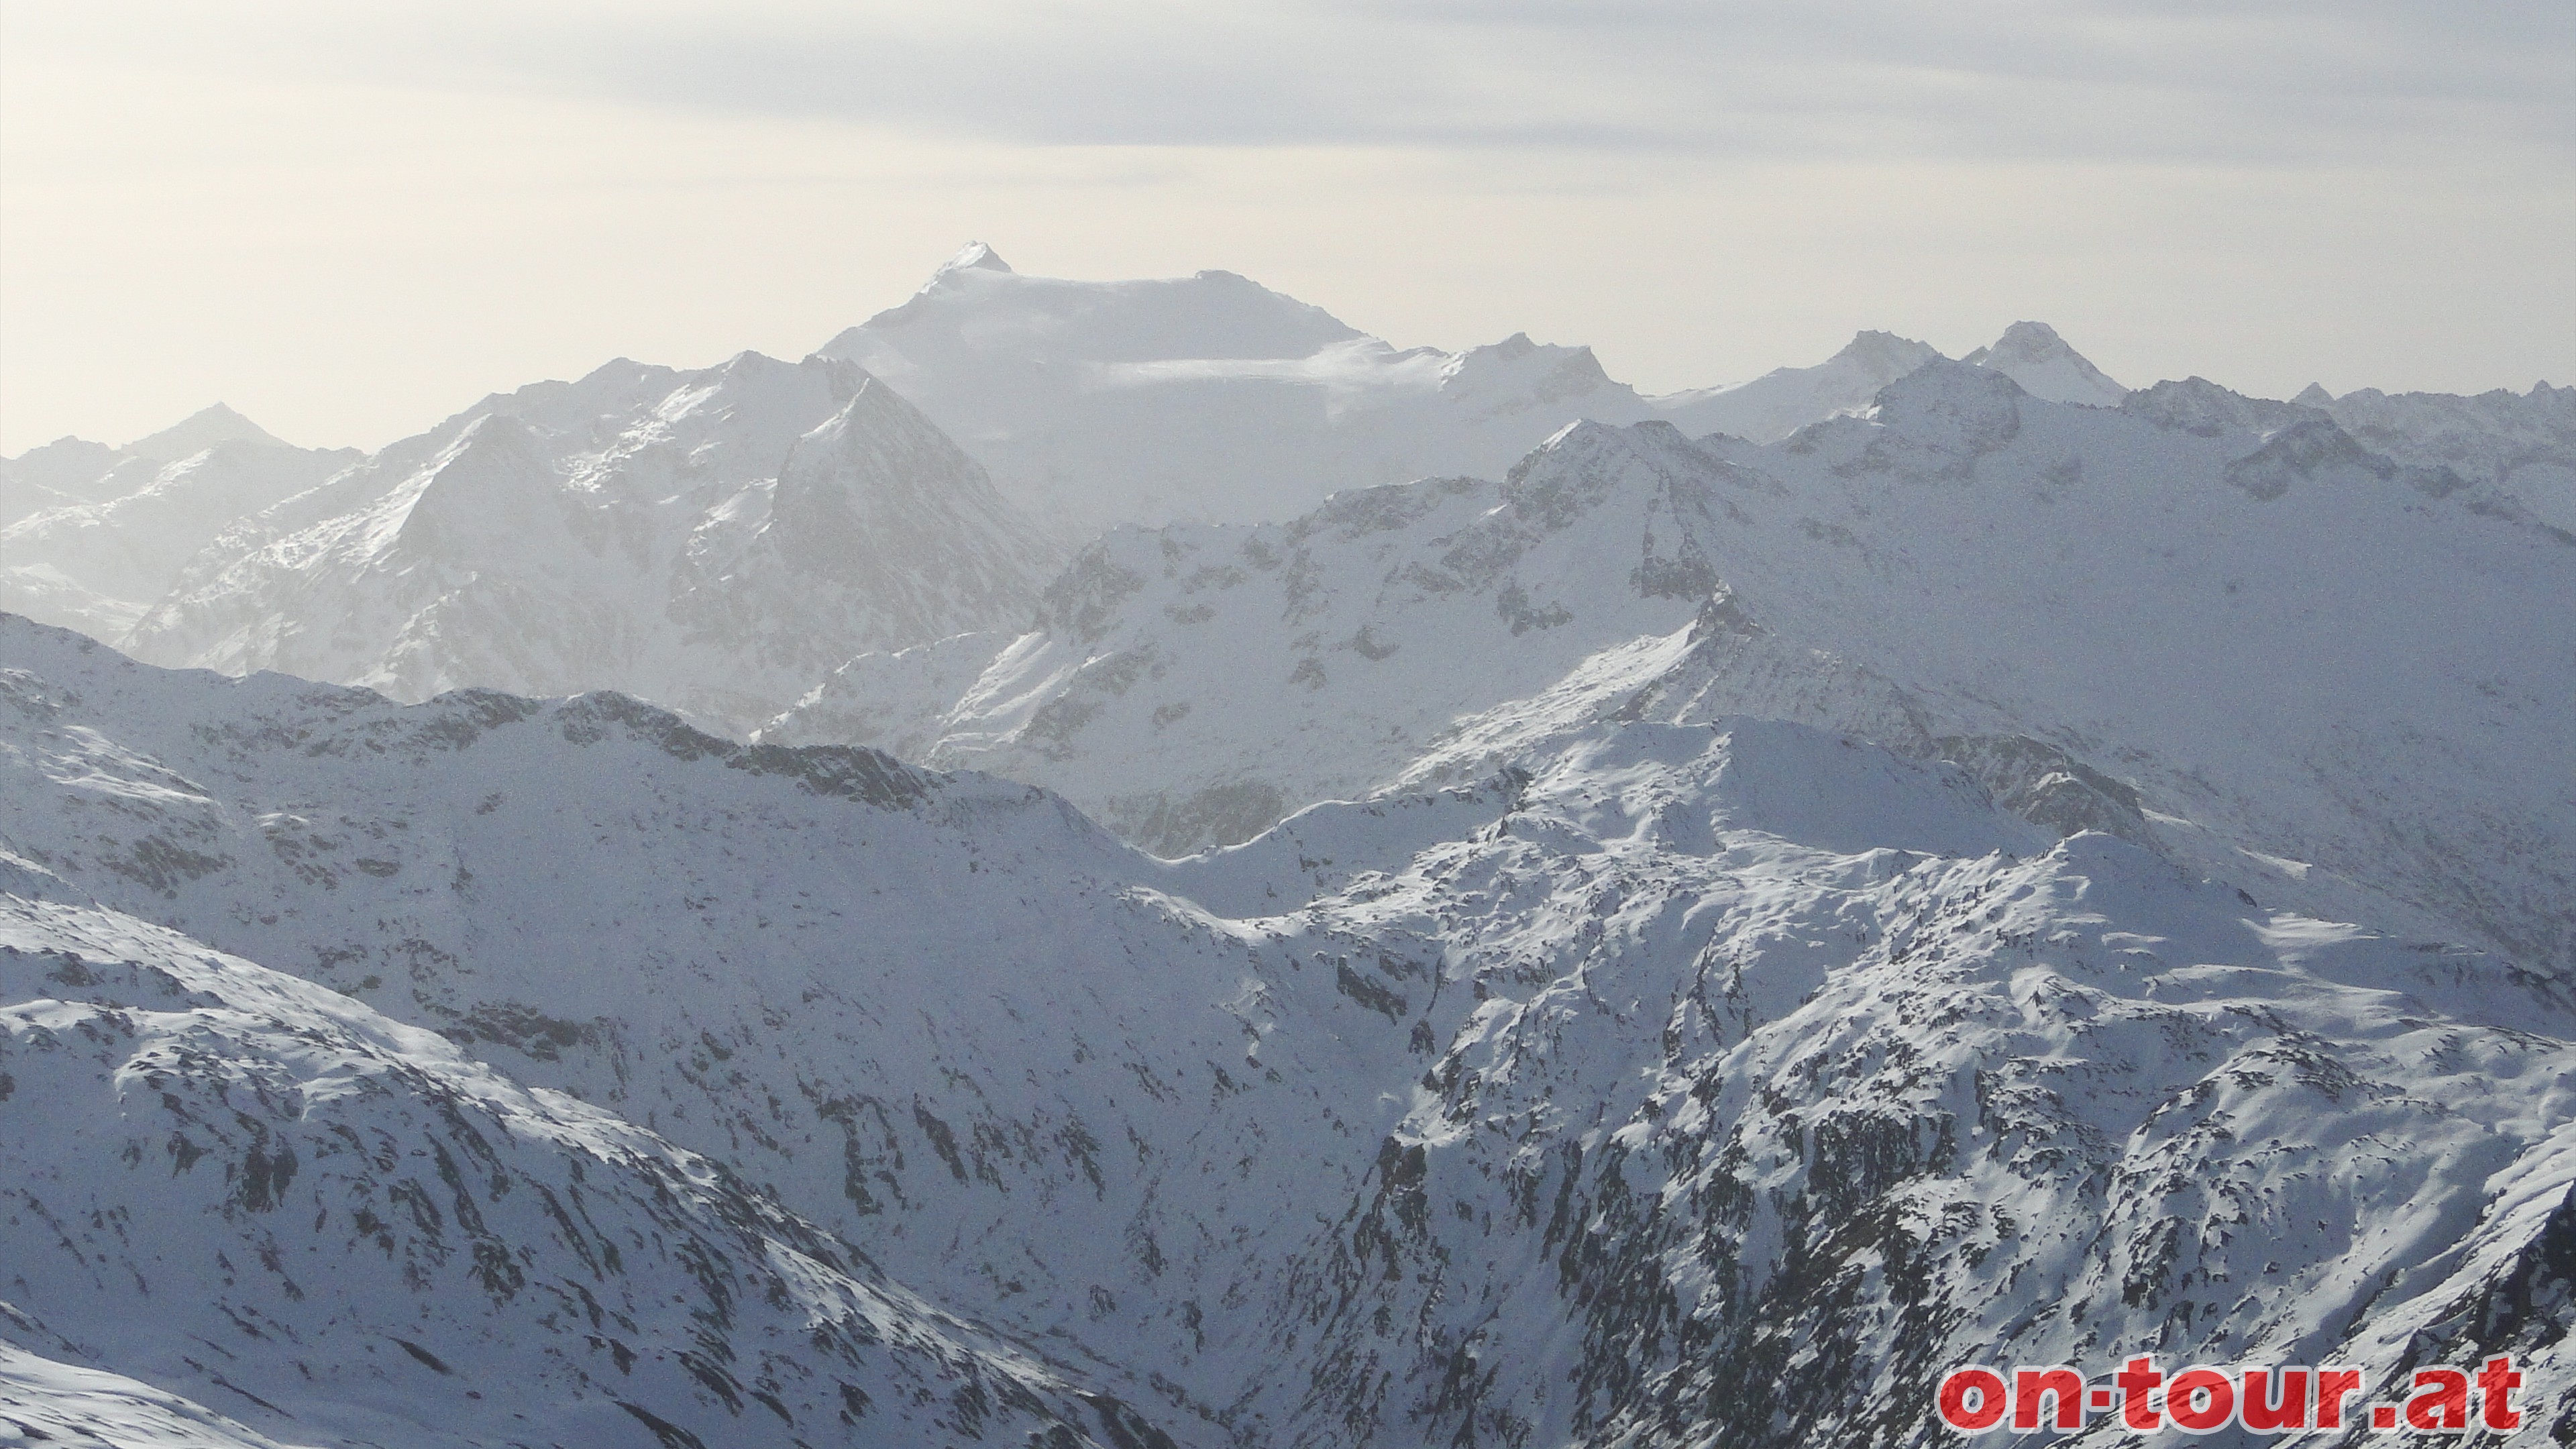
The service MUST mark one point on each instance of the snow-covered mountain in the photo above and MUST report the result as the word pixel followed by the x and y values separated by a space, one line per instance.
pixel 76 470
pixel 929 1011
pixel 1724 906
pixel 715 539
pixel 1800 1074
pixel 1207 398
pixel 1212 399
pixel 2524 443
pixel 1785 399
pixel 2033 355
pixel 98 566
pixel 90 535
pixel 1193 684
pixel 2191 607
pixel 1780 402
pixel 1729 1077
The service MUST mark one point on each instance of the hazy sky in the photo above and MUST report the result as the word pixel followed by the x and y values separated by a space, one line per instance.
pixel 349 220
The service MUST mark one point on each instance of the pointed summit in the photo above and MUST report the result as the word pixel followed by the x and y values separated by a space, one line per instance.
pixel 199 431
pixel 2032 354
pixel 1884 355
pixel 974 256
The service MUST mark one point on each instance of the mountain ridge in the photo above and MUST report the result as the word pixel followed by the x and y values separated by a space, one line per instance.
pixel 1194 684
pixel 625 529
pixel 1427 1145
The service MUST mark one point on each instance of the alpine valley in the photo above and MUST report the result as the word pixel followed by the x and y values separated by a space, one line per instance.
pixel 1127 866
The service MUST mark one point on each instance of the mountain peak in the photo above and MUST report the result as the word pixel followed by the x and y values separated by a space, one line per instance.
pixel 1886 354
pixel 2032 354
pixel 199 431
pixel 974 256
pixel 2036 339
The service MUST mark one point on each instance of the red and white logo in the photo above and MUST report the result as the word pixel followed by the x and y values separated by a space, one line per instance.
pixel 2205 1400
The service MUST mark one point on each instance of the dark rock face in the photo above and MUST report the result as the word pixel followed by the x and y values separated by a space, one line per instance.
pixel 2046 786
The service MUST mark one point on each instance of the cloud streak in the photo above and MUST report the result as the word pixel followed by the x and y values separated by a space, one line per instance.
pixel 2155 81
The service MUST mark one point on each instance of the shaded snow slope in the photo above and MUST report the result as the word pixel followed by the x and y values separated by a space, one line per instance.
pixel 932 1011
pixel 1708 1078
pixel 258 1192
pixel 718 540
pixel 48 1401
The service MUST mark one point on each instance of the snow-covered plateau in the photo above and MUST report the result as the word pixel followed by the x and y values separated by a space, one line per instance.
pixel 1126 866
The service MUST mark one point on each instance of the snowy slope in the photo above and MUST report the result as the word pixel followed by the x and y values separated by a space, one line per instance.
pixel 2524 443
pixel 482 1263
pixel 1208 398
pixel 1192 684
pixel 63 472
pixel 717 540
pixel 46 1400
pixel 2301 649
pixel 1785 399
pixel 2189 607
pixel 117 557
pixel 1733 1076
pixel 930 1011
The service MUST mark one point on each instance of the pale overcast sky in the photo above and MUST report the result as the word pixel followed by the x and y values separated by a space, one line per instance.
pixel 349 220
